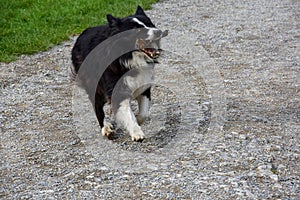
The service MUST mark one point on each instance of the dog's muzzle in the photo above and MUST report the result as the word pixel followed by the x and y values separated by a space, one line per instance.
pixel 151 47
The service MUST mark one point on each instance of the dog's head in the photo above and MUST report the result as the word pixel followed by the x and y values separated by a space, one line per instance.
pixel 150 45
pixel 138 20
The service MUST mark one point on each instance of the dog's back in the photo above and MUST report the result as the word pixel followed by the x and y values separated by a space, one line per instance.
pixel 87 41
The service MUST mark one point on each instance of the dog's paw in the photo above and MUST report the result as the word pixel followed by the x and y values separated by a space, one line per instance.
pixel 108 130
pixel 140 119
pixel 137 135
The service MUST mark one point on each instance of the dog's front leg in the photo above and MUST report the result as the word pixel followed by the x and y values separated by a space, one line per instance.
pixel 125 117
pixel 144 106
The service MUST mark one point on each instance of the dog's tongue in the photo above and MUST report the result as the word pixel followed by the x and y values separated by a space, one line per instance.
pixel 151 52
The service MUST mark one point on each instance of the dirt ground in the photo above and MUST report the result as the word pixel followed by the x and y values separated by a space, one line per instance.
pixel 225 116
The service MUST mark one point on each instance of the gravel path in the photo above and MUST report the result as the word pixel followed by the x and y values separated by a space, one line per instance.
pixel 224 120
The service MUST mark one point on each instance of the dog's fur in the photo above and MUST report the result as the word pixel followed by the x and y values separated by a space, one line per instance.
pixel 137 60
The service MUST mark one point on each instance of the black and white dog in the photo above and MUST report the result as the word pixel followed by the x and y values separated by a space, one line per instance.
pixel 140 61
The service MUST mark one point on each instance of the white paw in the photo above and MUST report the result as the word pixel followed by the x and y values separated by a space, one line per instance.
pixel 137 134
pixel 108 130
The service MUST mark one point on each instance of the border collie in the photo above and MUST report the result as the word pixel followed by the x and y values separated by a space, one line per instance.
pixel 135 69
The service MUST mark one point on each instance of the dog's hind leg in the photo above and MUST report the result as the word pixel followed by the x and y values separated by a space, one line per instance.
pixel 144 105
pixel 106 127
pixel 125 117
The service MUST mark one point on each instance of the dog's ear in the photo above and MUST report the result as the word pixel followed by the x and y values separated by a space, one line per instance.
pixel 140 11
pixel 112 21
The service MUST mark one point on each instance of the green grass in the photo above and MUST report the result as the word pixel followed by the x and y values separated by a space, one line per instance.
pixel 29 26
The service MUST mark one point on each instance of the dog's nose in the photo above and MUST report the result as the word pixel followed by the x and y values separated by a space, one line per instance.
pixel 154 34
pixel 165 33
pixel 157 32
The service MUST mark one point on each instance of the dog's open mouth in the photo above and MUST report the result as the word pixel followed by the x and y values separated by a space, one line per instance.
pixel 152 53
pixel 146 46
